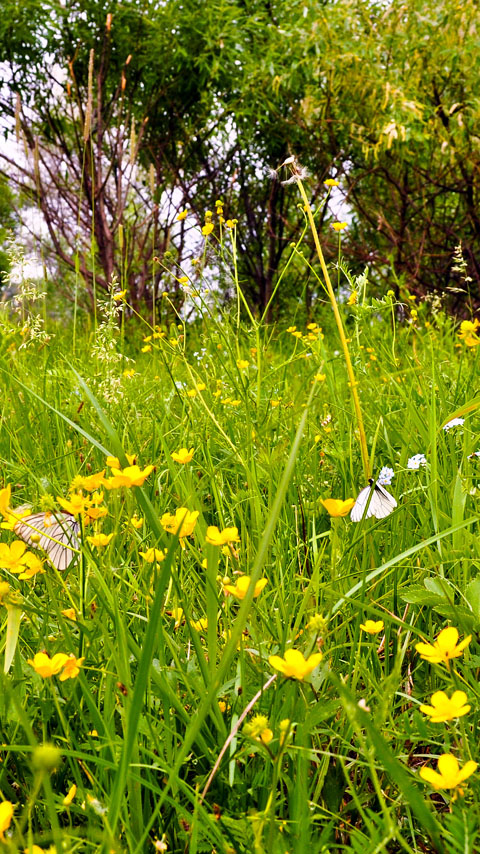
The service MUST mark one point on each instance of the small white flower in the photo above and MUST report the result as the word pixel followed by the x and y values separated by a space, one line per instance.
pixel 416 461
pixel 385 476
pixel 475 454
pixel 455 422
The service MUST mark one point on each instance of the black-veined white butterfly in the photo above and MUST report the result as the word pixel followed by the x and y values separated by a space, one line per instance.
pixel 380 504
pixel 55 533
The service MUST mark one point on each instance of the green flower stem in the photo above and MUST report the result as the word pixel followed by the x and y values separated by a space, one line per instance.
pixel 341 332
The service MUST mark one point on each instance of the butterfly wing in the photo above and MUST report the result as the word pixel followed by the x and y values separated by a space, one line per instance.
pixel 381 503
pixel 358 509
pixel 56 535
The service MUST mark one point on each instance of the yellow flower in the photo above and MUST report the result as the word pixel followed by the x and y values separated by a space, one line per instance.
pixel 5 498
pixel 339 226
pixel 90 482
pixel 33 565
pixel 6 815
pixel 152 555
pixel 337 507
pixel 258 729
pixel 242 364
pixel 221 538
pixel 70 614
pixel 294 664
pixel 129 476
pixel 46 666
pixel 113 463
pixel 207 229
pixel 241 587
pixel 183 455
pixel 275 403
pixel 136 522
pixel 182 523
pixel 200 625
pixel 231 223
pixel 129 373
pixel 70 796
pixel 75 504
pixel 13 557
pixel 468 332
pixel 317 623
pixel 444 648
pixel 146 349
pixel 450 775
pixel 444 708
pixel 352 300
pixel 320 378
pixel 119 296
pixel 100 540
pixel 372 627
pixel 331 182
pixel 177 615
pixel 182 215
pixel 4 590
pixel 291 329
pixel 71 668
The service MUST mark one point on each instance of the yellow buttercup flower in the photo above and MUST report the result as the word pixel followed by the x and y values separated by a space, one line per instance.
pixel 339 226
pixel 89 482
pixel 182 523
pixel 100 540
pixel 331 182
pixel 152 555
pixel 113 463
pixel 46 666
pixel 182 215
pixel 449 775
pixel 183 455
pixel 130 476
pixel 294 665
pixel 372 627
pixel 239 590
pixel 200 625
pixel 221 538
pixel 12 557
pixel 6 815
pixel 337 507
pixel 446 708
pixel 70 795
pixel 444 648
pixel 207 229
pixel 242 364
pixel 71 668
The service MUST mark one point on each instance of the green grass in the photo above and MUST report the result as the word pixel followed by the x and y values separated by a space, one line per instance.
pixel 140 729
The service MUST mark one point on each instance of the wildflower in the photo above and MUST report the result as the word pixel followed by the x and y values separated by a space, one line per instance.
pixel 320 378
pixel 292 329
pixel 241 587
pixel 385 476
pixel 337 507
pixel 70 795
pixel 231 223
pixel 6 815
pixel 90 482
pixel 294 664
pixel 221 538
pixel 416 461
pixel 177 615
pixel 444 648
pixel 182 215
pixel 339 226
pixel 275 403
pixel 352 300
pixel 455 422
pixel 284 727
pixel 182 455
pixel 152 555
pixel 70 614
pixel 242 364
pixel 130 476
pixel 75 504
pixel 146 349
pixel 100 540
pixel 71 668
pixel 222 705
pixel 207 229
pixel 444 708
pixel 182 523
pixel 136 522
pixel 450 775
pixel 372 627
pixel 120 295
pixel 33 565
pixel 46 666
pixel 200 625
pixel 331 182
pixel 113 462
pixel 259 729
pixel 317 623
pixel 12 557
pixel 468 332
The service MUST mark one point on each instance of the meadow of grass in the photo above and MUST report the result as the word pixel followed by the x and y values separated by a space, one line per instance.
pixel 170 727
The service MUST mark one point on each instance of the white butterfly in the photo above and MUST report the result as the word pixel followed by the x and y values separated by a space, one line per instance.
pixel 380 504
pixel 55 533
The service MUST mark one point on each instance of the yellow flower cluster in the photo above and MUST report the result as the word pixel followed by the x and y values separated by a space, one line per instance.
pixel 46 667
